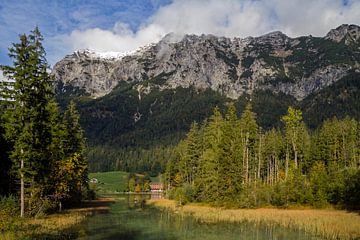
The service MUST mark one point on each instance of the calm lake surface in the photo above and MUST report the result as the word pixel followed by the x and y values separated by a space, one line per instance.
pixel 129 218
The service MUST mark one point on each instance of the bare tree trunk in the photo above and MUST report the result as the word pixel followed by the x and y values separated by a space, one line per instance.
pixel 287 161
pixel 22 192
pixel 22 199
pixel 295 150
pixel 247 166
pixel 276 170
pixel 295 156
pixel 270 171
pixel 243 160
pixel 247 158
pixel 259 165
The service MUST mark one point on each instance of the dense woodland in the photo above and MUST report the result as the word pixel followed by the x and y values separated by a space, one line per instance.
pixel 230 160
pixel 116 142
pixel 42 151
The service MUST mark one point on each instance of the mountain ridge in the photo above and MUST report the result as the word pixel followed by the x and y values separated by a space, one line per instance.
pixel 232 67
pixel 136 107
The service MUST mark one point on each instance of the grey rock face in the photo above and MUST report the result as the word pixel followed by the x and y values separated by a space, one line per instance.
pixel 295 66
pixel 344 32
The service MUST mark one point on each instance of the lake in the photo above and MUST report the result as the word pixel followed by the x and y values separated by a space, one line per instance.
pixel 129 218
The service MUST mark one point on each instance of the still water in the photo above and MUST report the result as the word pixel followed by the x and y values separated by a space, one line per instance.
pixel 129 218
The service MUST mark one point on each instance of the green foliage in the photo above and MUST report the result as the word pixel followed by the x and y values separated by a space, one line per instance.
pixel 341 99
pixel 183 194
pixel 247 61
pixel 351 194
pixel 45 152
pixel 5 161
pixel 116 142
pixel 110 182
pixel 9 209
pixel 310 54
pixel 139 183
pixel 319 180
pixel 230 161
pixel 246 74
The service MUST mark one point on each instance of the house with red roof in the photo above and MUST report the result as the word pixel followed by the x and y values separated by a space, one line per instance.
pixel 156 187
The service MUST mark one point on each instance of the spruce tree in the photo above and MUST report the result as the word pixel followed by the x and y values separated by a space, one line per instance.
pixel 249 136
pixel 292 122
pixel 28 125
pixel 74 135
pixel 230 166
pixel 207 184
pixel 70 172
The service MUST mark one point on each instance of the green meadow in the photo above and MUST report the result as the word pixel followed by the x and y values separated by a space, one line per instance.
pixel 110 182
pixel 113 182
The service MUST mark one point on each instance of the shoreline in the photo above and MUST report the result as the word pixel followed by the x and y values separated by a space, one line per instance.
pixel 330 224
pixel 58 224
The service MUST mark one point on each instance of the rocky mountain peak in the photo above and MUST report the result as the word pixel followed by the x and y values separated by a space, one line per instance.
pixel 349 32
pixel 231 66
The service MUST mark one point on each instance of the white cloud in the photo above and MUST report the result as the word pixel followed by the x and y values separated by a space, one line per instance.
pixel 230 18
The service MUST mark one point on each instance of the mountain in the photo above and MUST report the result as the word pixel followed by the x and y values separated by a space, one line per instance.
pixel 133 103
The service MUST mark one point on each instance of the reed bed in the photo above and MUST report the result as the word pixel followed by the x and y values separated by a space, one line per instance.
pixel 330 224
pixel 60 225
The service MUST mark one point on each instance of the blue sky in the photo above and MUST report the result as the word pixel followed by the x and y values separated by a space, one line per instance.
pixel 123 25
pixel 57 17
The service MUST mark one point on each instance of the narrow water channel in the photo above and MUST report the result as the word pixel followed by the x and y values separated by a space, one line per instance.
pixel 129 218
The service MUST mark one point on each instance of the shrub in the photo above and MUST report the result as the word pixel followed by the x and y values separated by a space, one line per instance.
pixel 184 194
pixel 351 194
pixel 9 213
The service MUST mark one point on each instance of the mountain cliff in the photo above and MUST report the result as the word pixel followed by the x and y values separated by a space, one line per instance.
pixel 134 106
pixel 275 62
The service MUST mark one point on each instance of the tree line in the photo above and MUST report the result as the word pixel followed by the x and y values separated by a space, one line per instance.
pixel 42 149
pixel 230 161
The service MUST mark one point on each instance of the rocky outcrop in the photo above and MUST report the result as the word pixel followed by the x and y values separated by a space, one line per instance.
pixel 294 66
pixel 344 32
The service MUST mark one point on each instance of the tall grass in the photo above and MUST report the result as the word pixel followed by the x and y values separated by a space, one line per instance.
pixel 330 224
pixel 54 226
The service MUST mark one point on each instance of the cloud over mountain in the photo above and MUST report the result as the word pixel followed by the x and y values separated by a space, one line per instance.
pixel 223 18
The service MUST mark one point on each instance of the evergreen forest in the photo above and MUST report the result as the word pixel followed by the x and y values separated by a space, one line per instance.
pixel 115 141
pixel 230 161
pixel 43 167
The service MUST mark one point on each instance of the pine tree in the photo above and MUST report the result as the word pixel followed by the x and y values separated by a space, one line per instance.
pixel 190 152
pixel 292 123
pixel 207 182
pixel 70 170
pixel 230 166
pixel 28 120
pixel 249 136
pixel 74 135
pixel 5 162
pixel 273 148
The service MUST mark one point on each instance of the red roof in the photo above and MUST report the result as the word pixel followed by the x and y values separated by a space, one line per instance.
pixel 156 186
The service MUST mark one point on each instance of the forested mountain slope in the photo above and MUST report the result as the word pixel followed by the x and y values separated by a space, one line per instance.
pixel 134 106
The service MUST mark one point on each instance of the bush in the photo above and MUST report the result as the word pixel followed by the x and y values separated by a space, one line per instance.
pixel 351 194
pixel 183 194
pixel 9 213
pixel 257 195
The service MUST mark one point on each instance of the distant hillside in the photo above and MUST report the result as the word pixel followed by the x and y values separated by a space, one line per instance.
pixel 135 107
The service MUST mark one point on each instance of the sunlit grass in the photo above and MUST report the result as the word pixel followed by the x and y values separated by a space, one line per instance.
pixel 331 224
pixel 62 225
pixel 110 182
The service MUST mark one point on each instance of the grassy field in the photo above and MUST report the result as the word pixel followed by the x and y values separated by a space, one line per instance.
pixel 110 182
pixel 62 225
pixel 113 182
pixel 330 224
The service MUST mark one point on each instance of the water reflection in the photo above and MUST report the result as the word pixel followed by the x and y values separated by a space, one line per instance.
pixel 129 218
